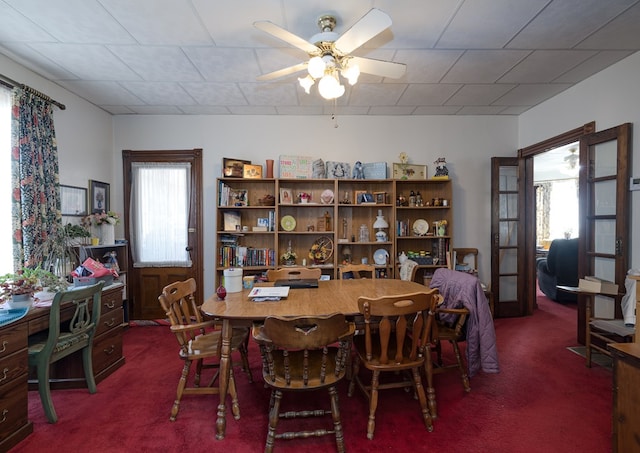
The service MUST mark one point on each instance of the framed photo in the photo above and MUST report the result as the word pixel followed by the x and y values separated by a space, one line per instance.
pixel 252 171
pixel 409 171
pixel 233 168
pixel 364 197
pixel 357 195
pixel 238 197
pixel 286 196
pixel 73 201
pixel 380 197
pixel 99 197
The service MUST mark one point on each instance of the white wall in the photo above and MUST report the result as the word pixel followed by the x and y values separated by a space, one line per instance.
pixel 466 142
pixel 609 98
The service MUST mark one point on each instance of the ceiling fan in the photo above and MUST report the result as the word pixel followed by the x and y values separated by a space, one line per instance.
pixel 330 53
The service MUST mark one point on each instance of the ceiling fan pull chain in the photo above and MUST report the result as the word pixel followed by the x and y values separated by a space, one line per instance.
pixel 334 115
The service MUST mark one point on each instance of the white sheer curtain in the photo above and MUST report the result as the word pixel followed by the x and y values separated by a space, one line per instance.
pixel 6 242
pixel 159 214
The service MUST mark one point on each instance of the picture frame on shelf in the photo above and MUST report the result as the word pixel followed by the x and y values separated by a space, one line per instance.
pixel 232 221
pixel 233 168
pixel 73 201
pixel 286 196
pixel 99 197
pixel 238 197
pixel 252 171
pixel 409 171
pixel 365 198
pixel 356 195
pixel 380 197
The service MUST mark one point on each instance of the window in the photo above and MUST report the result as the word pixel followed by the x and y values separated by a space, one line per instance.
pixel 6 243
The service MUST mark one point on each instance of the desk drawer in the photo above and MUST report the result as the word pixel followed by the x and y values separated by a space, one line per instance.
pixel 107 349
pixel 12 367
pixel 12 339
pixel 110 320
pixel 13 407
pixel 111 301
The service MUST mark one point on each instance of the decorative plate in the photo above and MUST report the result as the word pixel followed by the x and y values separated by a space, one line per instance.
pixel 288 223
pixel 327 197
pixel 380 256
pixel 420 227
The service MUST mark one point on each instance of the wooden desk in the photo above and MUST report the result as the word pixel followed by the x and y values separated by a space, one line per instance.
pixel 626 396
pixel 66 373
pixel 332 296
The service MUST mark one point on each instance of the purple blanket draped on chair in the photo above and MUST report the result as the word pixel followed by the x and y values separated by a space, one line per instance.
pixel 460 289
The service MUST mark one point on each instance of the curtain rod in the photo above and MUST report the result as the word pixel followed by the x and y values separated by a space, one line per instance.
pixel 10 83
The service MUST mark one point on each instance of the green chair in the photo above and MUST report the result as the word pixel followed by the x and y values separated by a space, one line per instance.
pixel 65 337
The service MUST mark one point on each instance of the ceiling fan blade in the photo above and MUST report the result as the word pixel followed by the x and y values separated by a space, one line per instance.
pixel 380 67
pixel 286 36
pixel 370 25
pixel 283 72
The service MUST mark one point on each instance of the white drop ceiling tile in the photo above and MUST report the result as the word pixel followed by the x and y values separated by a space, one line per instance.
pixel 117 109
pixel 563 24
pixel 485 24
pixel 156 110
pixel 230 24
pixel 160 93
pixel 480 110
pixel 436 110
pixel 299 110
pixel 427 66
pixel 391 110
pixel 343 110
pixel 74 21
pixel 597 63
pixel 224 65
pixel 475 95
pixel 275 94
pixel 531 94
pixel 15 27
pixel 515 110
pixel 621 33
pixel 544 66
pixel 158 64
pixel 428 94
pixel 376 94
pixel 270 60
pixel 213 93
pixel 204 110
pixel 483 66
pixel 89 62
pixel 27 56
pixel 102 93
pixel 253 110
pixel 417 24
pixel 159 22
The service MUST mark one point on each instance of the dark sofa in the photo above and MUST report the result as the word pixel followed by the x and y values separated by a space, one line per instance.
pixel 560 267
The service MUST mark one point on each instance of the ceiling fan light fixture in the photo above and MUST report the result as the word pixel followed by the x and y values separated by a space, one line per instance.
pixel 329 86
pixel 316 67
pixel 306 83
pixel 351 73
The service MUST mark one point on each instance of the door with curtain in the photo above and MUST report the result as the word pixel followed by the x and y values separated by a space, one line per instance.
pixel 163 205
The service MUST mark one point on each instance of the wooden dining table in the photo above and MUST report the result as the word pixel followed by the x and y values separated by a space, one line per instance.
pixel 331 296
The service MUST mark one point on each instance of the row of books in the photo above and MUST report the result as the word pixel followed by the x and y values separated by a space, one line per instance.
pixel 237 256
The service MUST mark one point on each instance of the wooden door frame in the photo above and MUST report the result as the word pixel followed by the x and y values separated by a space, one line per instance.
pixel 527 203
pixel 195 239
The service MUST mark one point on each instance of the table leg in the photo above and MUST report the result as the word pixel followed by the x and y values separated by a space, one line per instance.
pixel 225 369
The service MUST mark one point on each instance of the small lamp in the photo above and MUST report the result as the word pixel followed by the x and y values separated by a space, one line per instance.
pixel 346 254
pixel 380 224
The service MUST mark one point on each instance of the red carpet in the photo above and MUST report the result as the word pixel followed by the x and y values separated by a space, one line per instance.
pixel 544 399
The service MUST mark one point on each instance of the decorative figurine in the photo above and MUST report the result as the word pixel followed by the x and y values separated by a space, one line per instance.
pixel 221 292
pixel 441 167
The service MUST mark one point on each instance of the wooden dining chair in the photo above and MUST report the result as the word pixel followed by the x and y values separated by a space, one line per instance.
pixel 304 354
pixel 65 337
pixel 199 341
pixel 292 273
pixel 395 342
pixel 355 271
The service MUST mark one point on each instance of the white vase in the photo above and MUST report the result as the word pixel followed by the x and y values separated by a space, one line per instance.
pixel 107 234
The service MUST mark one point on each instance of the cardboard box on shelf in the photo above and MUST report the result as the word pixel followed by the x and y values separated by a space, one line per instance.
pixel 597 285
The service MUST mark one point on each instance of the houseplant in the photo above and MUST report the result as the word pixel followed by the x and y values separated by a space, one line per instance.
pixel 22 285
pixel 289 257
pixel 58 253
pixel 105 222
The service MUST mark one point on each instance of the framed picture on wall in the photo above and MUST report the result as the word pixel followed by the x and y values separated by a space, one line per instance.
pixel 99 196
pixel 73 201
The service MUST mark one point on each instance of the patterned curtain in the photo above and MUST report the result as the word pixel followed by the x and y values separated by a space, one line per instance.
pixel 34 175
pixel 543 209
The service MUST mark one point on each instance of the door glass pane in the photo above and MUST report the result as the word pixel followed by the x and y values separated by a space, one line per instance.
pixel 508 205
pixel 508 233
pixel 508 261
pixel 605 268
pixel 508 288
pixel 605 159
pixel 605 236
pixel 605 197
pixel 508 178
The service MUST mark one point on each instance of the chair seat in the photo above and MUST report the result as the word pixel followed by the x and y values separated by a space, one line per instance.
pixel 296 359
pixel 207 345
pixel 374 362
pixel 614 326
pixel 65 341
